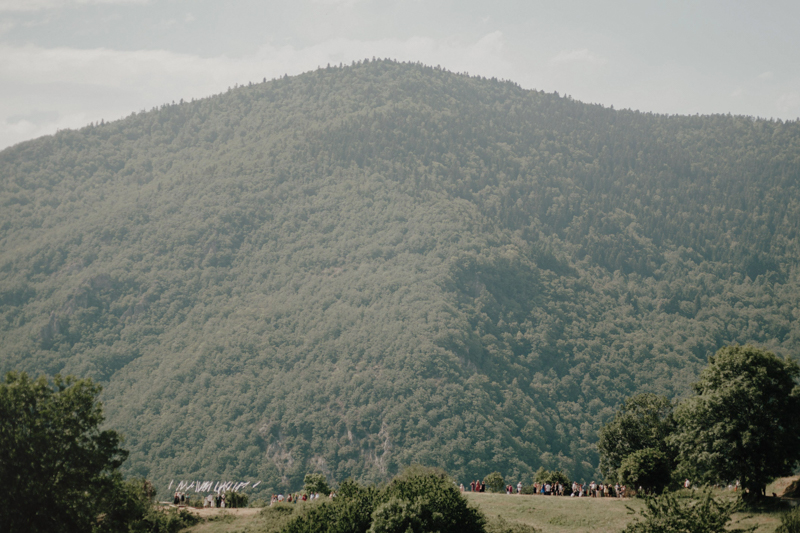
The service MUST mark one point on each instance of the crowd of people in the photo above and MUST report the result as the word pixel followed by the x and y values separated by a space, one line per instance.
pixel 577 490
pixel 210 500
pixel 297 497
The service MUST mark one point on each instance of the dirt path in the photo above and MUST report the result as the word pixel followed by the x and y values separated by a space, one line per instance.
pixel 207 512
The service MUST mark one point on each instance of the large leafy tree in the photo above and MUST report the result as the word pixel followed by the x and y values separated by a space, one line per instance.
pixel 743 422
pixel 58 468
pixel 642 423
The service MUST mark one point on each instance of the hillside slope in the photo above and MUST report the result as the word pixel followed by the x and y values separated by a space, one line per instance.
pixel 359 268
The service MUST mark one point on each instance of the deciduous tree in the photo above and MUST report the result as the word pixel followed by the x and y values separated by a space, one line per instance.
pixel 58 468
pixel 643 422
pixel 743 422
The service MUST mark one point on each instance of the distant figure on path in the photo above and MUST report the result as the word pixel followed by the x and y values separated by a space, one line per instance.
pixel 519 487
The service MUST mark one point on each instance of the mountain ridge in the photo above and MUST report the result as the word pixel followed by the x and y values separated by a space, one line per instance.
pixel 363 267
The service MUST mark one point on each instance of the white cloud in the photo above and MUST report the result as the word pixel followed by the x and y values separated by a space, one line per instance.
pixel 577 56
pixel 38 5
pixel 81 86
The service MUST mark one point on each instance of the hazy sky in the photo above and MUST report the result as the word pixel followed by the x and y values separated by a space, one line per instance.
pixel 65 63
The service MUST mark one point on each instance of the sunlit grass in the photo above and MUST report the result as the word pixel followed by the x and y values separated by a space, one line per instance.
pixel 547 513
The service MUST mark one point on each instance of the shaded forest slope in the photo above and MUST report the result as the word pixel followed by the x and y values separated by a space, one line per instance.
pixel 363 267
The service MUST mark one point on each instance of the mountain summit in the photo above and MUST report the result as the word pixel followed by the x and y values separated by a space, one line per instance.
pixel 360 268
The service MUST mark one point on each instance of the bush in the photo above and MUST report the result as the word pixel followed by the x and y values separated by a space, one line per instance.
pixel 196 502
pixel 276 517
pixel 316 483
pixel 235 500
pixel 648 468
pixel 425 499
pixel 495 482
pixel 419 499
pixel 164 521
pixel 349 512
pixel 790 522
pixel 553 477
pixel 666 514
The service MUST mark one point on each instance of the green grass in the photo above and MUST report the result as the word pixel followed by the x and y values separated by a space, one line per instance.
pixel 556 514
pixel 267 520
pixel 575 515
pixel 550 514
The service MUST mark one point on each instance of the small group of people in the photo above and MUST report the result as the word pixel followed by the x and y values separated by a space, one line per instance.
pixel 215 500
pixel 548 489
pixel 475 486
pixel 297 497
pixel 211 500
pixel 598 490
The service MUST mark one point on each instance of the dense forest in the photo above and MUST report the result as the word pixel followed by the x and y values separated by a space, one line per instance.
pixel 368 266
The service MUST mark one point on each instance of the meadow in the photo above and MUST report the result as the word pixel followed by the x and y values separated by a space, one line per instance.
pixel 546 513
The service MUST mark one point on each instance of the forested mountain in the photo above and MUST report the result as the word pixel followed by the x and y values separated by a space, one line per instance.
pixel 363 267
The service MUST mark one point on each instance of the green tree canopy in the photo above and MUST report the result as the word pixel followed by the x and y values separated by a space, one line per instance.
pixel 648 468
pixel 419 499
pixel 643 422
pixel 743 422
pixel 551 476
pixel 316 482
pixel 428 500
pixel 494 481
pixel 58 469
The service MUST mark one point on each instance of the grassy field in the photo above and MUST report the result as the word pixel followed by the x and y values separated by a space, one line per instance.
pixel 579 515
pixel 547 513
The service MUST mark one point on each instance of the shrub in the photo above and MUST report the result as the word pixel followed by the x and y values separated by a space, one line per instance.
pixel 425 499
pixel 495 482
pixel 349 512
pixel 276 517
pixel 790 522
pixel 419 499
pixel 648 468
pixel 552 477
pixel 316 483
pixel 667 514
pixel 235 499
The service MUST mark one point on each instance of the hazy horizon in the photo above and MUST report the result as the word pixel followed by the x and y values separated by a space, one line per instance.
pixel 66 63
